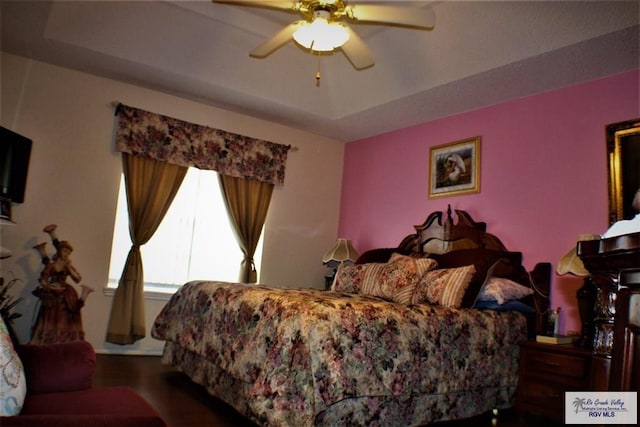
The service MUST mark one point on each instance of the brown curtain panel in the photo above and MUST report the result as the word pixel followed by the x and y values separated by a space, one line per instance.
pixel 151 186
pixel 247 203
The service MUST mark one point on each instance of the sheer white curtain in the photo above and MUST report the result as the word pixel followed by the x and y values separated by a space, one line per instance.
pixel 195 240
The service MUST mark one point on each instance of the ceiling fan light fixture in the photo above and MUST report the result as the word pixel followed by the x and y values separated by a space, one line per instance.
pixel 321 35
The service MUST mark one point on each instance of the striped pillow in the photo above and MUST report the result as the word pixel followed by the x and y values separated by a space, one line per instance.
pixel 372 277
pixel 444 286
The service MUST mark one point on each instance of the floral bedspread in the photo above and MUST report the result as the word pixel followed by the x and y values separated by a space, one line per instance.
pixel 301 351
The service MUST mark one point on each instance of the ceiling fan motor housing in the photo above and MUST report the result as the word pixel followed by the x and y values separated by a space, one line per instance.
pixel 335 8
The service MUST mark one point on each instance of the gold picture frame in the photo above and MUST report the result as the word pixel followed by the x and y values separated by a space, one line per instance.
pixel 623 164
pixel 454 168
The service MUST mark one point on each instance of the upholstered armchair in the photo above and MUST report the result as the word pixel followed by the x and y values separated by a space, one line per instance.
pixel 58 383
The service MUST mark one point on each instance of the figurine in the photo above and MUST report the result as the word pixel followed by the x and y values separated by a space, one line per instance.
pixel 59 318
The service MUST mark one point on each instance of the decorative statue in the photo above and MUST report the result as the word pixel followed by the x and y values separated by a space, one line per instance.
pixel 59 317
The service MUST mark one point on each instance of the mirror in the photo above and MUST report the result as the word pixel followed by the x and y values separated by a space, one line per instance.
pixel 623 156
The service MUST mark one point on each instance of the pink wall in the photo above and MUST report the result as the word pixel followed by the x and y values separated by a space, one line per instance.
pixel 543 176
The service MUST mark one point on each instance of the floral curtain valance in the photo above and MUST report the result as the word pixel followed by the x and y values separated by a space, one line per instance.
pixel 187 144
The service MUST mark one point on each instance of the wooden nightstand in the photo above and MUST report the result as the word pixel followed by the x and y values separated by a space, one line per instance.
pixel 547 371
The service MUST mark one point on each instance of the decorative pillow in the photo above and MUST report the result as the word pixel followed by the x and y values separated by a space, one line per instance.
pixel 444 286
pixel 400 276
pixel 348 279
pixel 372 278
pixel 502 290
pixel 487 263
pixel 13 385
pixel 58 367
pixel 422 265
pixel 359 278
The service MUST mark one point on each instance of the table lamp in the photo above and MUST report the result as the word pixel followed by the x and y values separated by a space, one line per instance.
pixel 342 251
pixel 571 264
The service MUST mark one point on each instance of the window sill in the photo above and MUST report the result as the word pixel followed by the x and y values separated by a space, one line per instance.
pixel 149 294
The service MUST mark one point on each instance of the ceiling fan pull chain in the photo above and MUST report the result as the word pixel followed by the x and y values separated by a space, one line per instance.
pixel 318 73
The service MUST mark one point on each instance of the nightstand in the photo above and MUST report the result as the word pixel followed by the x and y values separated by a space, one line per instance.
pixel 328 281
pixel 547 371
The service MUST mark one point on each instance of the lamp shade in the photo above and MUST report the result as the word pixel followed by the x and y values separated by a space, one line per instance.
pixel 570 263
pixel 341 252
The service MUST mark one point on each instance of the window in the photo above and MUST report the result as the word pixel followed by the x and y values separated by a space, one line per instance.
pixel 194 241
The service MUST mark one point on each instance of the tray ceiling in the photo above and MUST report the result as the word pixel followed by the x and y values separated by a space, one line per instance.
pixel 480 53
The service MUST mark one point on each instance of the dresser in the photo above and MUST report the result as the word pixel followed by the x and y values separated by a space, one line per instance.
pixel 613 264
pixel 625 354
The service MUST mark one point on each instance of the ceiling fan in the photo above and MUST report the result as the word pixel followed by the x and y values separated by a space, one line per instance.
pixel 324 27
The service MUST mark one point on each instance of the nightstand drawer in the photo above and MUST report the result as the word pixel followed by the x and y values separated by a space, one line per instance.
pixel 539 362
pixel 545 396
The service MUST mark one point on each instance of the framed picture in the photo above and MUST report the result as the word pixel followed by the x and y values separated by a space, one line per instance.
pixel 623 155
pixel 454 168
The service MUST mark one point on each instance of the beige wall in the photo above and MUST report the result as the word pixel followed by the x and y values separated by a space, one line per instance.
pixel 74 175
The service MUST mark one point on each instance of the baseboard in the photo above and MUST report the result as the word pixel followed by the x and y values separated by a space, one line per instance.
pixel 124 352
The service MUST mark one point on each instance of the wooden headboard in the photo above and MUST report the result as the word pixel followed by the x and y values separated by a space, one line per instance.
pixel 439 234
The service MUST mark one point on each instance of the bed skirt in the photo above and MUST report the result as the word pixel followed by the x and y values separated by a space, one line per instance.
pixel 412 410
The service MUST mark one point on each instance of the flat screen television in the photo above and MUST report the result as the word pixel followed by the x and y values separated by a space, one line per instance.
pixel 15 151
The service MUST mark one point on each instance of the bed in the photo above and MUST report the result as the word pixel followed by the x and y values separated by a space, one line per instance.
pixel 389 344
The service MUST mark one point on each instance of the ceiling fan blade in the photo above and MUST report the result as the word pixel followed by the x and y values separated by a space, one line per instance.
pixel 282 5
pixel 422 18
pixel 276 41
pixel 357 52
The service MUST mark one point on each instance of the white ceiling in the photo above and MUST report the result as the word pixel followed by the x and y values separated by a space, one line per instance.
pixel 480 53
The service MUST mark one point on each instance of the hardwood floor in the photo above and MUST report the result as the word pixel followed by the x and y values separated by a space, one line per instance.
pixel 179 401
pixel 183 403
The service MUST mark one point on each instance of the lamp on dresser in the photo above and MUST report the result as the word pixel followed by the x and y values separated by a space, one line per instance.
pixel 343 251
pixel 570 263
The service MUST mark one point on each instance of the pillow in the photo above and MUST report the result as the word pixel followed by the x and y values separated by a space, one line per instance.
pixel 444 286
pixel 13 385
pixel 58 367
pixel 358 278
pixel 502 290
pixel 348 278
pixel 372 278
pixel 422 265
pixel 400 276
pixel 487 263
